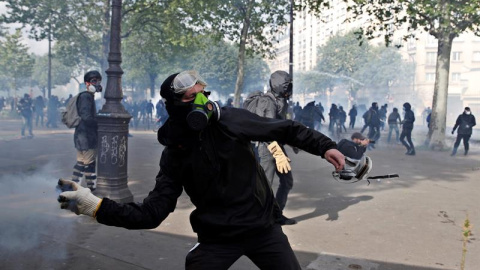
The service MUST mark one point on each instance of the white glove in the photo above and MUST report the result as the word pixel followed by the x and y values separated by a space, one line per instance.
pixel 282 161
pixel 79 199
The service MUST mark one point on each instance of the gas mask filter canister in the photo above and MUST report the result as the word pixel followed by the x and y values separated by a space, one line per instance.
pixel 202 111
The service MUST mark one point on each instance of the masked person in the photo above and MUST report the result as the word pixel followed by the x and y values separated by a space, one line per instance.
pixel 272 155
pixel 208 154
pixel 465 123
pixel 355 148
pixel 85 136
pixel 407 127
pixel 24 107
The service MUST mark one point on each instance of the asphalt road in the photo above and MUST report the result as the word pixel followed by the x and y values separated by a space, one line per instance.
pixel 413 222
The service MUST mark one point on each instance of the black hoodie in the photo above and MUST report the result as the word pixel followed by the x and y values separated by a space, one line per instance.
pixel 218 170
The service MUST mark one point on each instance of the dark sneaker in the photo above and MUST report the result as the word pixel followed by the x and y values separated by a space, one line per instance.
pixel 287 221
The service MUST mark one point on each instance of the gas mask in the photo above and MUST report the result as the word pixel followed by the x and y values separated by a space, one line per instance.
pixel 94 88
pixel 202 111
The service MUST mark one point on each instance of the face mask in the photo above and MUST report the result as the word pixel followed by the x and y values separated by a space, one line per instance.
pixel 467 112
pixel 94 88
pixel 202 111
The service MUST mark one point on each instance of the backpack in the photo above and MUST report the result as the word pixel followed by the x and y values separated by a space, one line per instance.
pixel 367 116
pixel 255 103
pixel 70 115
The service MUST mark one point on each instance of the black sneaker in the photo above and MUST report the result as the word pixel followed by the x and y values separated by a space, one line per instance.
pixel 286 221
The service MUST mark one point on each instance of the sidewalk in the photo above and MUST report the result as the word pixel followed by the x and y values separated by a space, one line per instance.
pixel 410 223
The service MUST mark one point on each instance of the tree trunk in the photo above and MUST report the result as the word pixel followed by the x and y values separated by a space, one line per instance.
pixel 152 77
pixel 241 56
pixel 436 133
pixel 49 60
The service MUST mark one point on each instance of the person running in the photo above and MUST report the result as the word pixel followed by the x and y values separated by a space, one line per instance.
pixel 407 127
pixel 465 123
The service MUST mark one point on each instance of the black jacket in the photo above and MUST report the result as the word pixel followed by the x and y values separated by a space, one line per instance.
pixel 465 123
pixel 218 170
pixel 85 136
pixel 351 149
pixel 408 120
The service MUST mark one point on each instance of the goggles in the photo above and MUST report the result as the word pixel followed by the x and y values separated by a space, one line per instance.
pixel 186 80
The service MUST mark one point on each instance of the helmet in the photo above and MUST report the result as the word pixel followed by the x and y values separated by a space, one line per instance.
pixel 90 75
pixel 354 168
pixel 407 106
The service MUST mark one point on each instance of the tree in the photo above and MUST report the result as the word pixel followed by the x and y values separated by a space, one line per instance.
pixel 40 77
pixel 340 58
pixel 442 19
pixel 250 24
pixel 217 62
pixel 15 62
pixel 384 70
pixel 43 19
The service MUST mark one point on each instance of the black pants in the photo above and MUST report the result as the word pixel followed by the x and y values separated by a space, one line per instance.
pixel 408 134
pixel 352 122
pixel 466 138
pixel 270 250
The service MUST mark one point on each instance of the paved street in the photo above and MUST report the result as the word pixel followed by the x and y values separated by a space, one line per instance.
pixel 412 222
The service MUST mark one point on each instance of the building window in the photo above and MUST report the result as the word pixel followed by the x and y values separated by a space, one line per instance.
pixel 476 56
pixel 456 77
pixel 456 56
pixel 431 58
pixel 430 77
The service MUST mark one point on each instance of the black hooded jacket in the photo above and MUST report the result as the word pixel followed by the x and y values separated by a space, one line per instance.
pixel 218 170
pixel 465 123
pixel 85 136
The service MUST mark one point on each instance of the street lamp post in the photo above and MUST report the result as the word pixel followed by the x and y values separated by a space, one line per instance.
pixel 113 122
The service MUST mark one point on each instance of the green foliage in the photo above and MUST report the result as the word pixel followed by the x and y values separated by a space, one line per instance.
pixel 342 55
pixel 15 62
pixel 344 62
pixel 384 69
pixel 226 18
pixel 217 63
pixel 61 74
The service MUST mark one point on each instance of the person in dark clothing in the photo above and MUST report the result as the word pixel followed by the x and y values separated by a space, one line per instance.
pixel 333 116
pixel 353 116
pixel 39 105
pixel 342 117
pixel 85 136
pixel 393 121
pixel 407 127
pixel 149 112
pixel 24 108
pixel 373 123
pixel 52 112
pixel 355 148
pixel 2 103
pixel 297 111
pixel 229 102
pixel 310 114
pixel 273 105
pixel 382 114
pixel 235 209
pixel 465 123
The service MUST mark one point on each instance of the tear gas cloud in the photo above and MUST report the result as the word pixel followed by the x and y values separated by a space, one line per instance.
pixel 31 217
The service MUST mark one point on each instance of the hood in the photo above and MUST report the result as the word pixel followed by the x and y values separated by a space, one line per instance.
pixel 281 83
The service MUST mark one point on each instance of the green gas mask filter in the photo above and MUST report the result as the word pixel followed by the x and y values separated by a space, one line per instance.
pixel 202 111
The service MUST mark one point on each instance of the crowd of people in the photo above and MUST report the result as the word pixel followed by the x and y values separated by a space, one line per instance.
pixel 225 159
